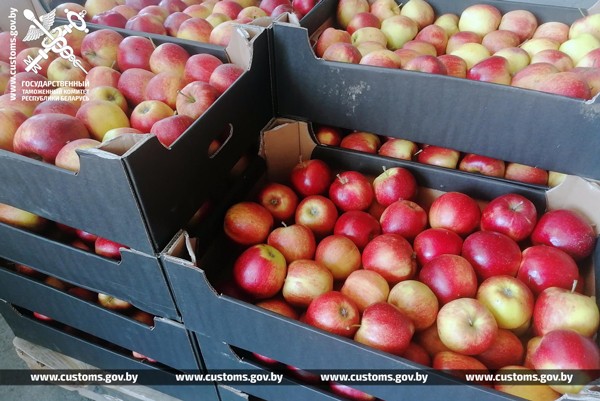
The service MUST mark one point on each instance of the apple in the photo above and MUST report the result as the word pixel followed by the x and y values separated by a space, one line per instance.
pixel 565 83
pixel 107 248
pixel 169 57
pixel 482 164
pixel 385 327
pixel 224 75
pixel 383 9
pixel 500 39
pixel 390 255
pixel 398 149
pixel 260 271
pixel 507 349
pixel 349 392
pixel 404 217
pixel 455 66
pixel 83 293
pixel 362 20
pixel 557 31
pixel 536 45
pixel 279 199
pixel 174 21
pixel 360 226
pixel 480 18
pixel 338 254
pixel 100 116
pixel 21 218
pixel 586 24
pixel 173 5
pixel 541 392
pixel 311 177
pixel 351 190
pixel 361 141
pixel 148 23
pixel 201 10
pixel 148 112
pixel 379 57
pixel 420 11
pixel 295 242
pixel 24 106
pixel 33 52
pixel 435 35
pixel 517 59
pixel 429 340
pixel 106 93
pixel 491 254
pixel 524 173
pixel 591 59
pixel 229 8
pixel 61 69
pixel 164 87
pixel 330 36
pixel 102 76
pixel 247 223
pixel 559 308
pixel 566 230
pixel 43 135
pixel 555 57
pixel 399 29
pixel 555 178
pixel 195 98
pixel 69 6
pixel 6 38
pixel 327 135
pixel 417 301
pixel 455 211
pixel 508 299
pixel 218 18
pixel 342 52
pixel 472 53
pixel 155 10
pixel 365 288
pixel 113 303
pixel 134 52
pixel 199 67
pixel 529 76
pixel 54 106
pixel 334 312
pixel 420 46
pixel 68 158
pixel 197 29
pixel 110 18
pixel 125 10
pixel 511 214
pixel 416 353
pixel 466 326
pixel 579 46
pixel 305 280
pixel 449 22
pixel 346 9
pixel 93 7
pixel 426 63
pixel 522 22
pixel 252 12
pixel 139 4
pixel 116 132
pixel 10 121
pixel 317 213
pixel 368 34
pixel 438 156
pixel 433 242
pixel 460 38
pixel 458 365
pixel 450 277
pixel 544 266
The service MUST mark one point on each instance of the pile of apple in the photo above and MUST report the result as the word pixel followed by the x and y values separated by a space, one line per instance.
pixel 207 21
pixel 479 44
pixel 436 155
pixel 452 283
pixel 132 87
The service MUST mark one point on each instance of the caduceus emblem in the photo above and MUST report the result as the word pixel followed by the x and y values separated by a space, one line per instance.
pixel 41 27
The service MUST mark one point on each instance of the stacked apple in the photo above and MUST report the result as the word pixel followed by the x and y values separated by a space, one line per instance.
pixel 404 149
pixel 479 44
pixel 132 87
pixel 452 283
pixel 207 21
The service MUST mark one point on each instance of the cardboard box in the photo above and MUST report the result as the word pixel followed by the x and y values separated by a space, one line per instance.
pixel 142 196
pixel 100 356
pixel 217 319
pixel 548 131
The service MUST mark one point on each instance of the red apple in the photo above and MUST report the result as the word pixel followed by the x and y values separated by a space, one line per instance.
pixel 317 213
pixel 360 226
pixel 260 271
pixel 134 52
pixel 404 217
pixel 436 35
pixel 247 223
pixel 458 39
pixel 417 301
pixel 174 21
pixel 438 156
pixel 165 87
pixel 199 67
pixel 346 9
pixel 113 303
pixel 68 158
pixel 379 57
pixel 455 211
pixel 433 242
pixel 557 31
pixel 351 190
pixel 365 287
pixel 450 277
pixel 311 177
pixel 279 199
pixel 511 214
pixel 225 75
pixel 10 121
pixel 305 280
pixel 327 135
pixel 429 340
pixel 390 255
pixel 83 293
pixel 394 184
pixel 426 63
pixel 330 36
pixel 398 148
pixel 334 312
pixel 295 242
pixel 507 349
pixel 500 39
pixel 492 254
pixel 132 84
pixel 107 248
pixel 197 29
pixel 508 299
pixel 169 57
pixel 361 20
pixel 53 106
pixel 148 112
pixel 195 98
pixel 349 392
pixel 102 76
pixel 33 52
pixel 543 266
pixel 149 23
pixel 362 142
pixel 168 129
pixel 386 328
pixel 338 254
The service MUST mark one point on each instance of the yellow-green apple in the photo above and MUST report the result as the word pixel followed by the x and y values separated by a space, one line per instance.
pixel 433 242
pixel 399 29
pixel 435 35
pixel 168 129
pixel 252 12
pixel 116 132
pixel 429 340
pixel 349 392
pixel 421 47
pixel 21 218
pixel 328 135
pixel 508 299
pixel 500 39
pixel 417 301
pixel 511 214
pixel 217 18
pixel 43 135
pixel 360 226
pixel 224 75
pixel 507 349
pixel 398 148
pixel 480 18
pixel 247 223
pixel 125 10
pixel 311 177
pixel 386 328
pixel 93 7
pixel 260 271
pixel 591 59
pixel 279 199
pixel 165 87
pixel 198 10
pixel 587 24
pixel 346 9
pixel 557 31
pixel 330 36
pixel 438 156
pixel 555 178
pixel 517 58
pixel 33 52
pixel 362 20
pixel 535 45
pixel 403 217
pixel 533 392
pixel 173 5
pixel 466 326
pixel 450 277
pixel 9 43
pixel 460 38
pixel 10 120
pixel 544 266
pixel 148 23
pixel 338 254
pixel 559 308
pixel 492 254
pixel 111 18
pixel 565 83
pixel 390 255
pixel 198 29
pixel 567 350
pixel 68 158
pixel 426 63
pixel 195 98
pixel 168 57
pixel 134 52
pixel 334 312
pixel 368 34
pixel 383 9
pixel 394 184
pixel 351 190
pixel 379 56
pixel 455 66
pixel 295 242
pixel 449 22
pixel 56 106
pixel 148 112
pixel 365 288
pixel 199 67
pixel 102 76
pixel 420 11
pixel 342 52
pixel 529 76
pixel 305 280
pixel 109 94
pixel 99 116
pixel 107 248
pixel 174 21
pixel 457 365
pixel 61 69
pixel 526 173
pixel 361 141
pixel 567 230
pixel 482 164
pixel 522 22
pixel 416 353
pixel 472 53
pixel 113 303
pixel 555 57
pixel 455 211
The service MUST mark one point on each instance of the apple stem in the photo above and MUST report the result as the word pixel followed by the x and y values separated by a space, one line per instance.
pixel 384 168
pixel 574 286
pixel 183 94
pixel 342 179
pixel 283 224
pixel 417 152
pixel 153 44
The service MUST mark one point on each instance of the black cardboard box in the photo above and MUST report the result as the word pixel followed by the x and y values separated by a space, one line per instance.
pixel 530 127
